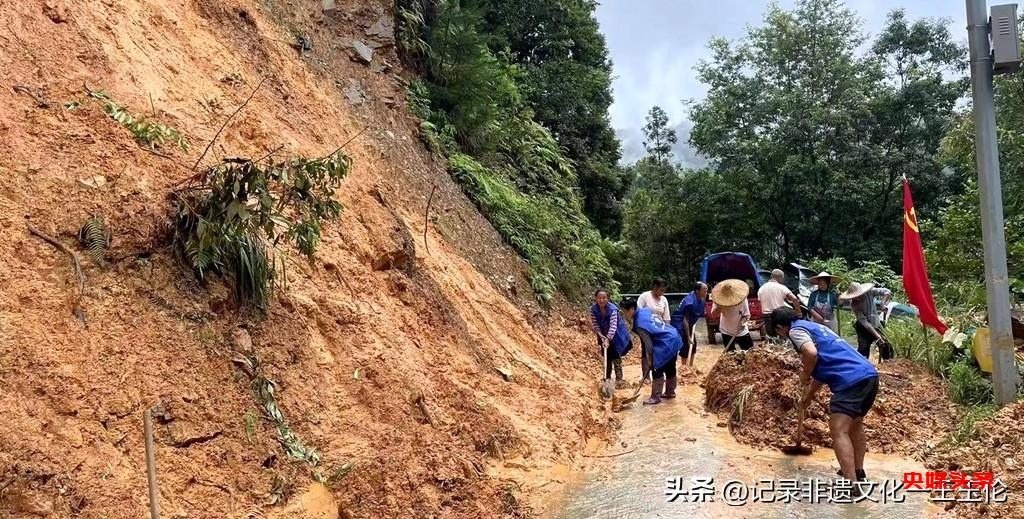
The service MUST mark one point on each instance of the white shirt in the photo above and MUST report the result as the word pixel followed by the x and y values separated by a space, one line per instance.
pixel 658 306
pixel 730 319
pixel 773 295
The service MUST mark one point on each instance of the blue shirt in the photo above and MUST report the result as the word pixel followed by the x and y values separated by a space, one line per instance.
pixel 690 308
pixel 622 341
pixel 839 365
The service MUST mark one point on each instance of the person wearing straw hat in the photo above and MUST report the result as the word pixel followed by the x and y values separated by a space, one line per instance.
pixel 823 301
pixel 660 344
pixel 729 305
pixel 868 325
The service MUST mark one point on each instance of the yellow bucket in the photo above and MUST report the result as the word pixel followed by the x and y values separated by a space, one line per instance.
pixel 981 346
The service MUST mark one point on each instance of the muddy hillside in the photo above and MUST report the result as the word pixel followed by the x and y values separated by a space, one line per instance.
pixel 407 367
pixel 996 449
pixel 756 394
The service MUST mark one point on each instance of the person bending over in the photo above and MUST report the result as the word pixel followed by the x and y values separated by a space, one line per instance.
pixel 829 360
pixel 660 344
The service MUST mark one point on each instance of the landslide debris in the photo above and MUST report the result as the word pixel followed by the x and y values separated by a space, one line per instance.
pixel 757 392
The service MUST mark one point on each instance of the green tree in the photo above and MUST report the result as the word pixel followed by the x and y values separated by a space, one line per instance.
pixel 953 236
pixel 658 136
pixel 508 163
pixel 566 81
pixel 815 135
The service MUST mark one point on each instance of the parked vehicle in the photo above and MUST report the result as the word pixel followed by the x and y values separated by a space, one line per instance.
pixel 894 310
pixel 798 279
pixel 732 265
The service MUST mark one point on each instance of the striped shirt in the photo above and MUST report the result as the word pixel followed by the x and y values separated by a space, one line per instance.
pixel 613 324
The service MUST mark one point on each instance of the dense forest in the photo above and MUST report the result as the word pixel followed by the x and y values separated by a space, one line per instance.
pixel 808 128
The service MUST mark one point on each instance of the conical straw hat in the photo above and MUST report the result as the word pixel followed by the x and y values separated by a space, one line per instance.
pixel 856 290
pixel 730 292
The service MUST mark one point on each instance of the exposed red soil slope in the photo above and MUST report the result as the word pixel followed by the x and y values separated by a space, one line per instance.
pixel 429 420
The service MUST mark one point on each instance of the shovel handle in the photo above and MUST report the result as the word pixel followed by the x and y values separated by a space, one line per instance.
pixel 800 426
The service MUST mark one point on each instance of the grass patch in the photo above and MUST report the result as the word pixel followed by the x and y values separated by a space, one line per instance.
pixel 967 426
pixel 967 385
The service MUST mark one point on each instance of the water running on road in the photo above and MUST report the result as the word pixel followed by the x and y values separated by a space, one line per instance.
pixel 677 438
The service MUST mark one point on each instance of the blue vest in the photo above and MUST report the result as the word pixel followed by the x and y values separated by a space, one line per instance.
pixel 692 307
pixel 622 341
pixel 839 366
pixel 665 338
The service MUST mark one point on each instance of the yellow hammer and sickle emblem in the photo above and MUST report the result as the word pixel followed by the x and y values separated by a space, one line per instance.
pixel 911 218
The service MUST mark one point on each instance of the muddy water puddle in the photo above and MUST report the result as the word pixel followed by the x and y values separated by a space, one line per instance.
pixel 677 439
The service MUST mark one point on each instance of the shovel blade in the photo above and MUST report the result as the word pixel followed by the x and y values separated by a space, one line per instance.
pixel 797 450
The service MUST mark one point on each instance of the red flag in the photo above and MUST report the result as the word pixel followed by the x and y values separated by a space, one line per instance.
pixel 915 272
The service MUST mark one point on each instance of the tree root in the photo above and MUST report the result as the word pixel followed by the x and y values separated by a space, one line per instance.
pixel 79 275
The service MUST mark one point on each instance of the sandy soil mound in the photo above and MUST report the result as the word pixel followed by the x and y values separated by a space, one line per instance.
pixel 910 413
pixel 412 348
pixel 998 449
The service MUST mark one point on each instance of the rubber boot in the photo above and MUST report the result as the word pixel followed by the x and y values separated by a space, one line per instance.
pixel 620 381
pixel 656 387
pixel 670 387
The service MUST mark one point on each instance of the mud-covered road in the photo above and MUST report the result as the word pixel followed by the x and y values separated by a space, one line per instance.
pixel 678 439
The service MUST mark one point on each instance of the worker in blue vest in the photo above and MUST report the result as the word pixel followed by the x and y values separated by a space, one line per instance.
pixel 660 344
pixel 686 315
pixel 613 338
pixel 829 360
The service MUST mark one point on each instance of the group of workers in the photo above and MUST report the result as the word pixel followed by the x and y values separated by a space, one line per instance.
pixel 667 334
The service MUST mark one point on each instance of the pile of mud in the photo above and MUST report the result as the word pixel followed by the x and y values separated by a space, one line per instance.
pixel 997 449
pixel 757 394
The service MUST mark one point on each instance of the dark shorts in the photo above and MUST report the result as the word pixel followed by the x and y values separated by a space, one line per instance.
pixel 855 400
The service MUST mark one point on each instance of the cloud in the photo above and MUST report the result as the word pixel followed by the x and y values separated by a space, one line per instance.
pixel 655 45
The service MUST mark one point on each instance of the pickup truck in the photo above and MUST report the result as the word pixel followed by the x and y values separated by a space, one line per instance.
pixel 732 265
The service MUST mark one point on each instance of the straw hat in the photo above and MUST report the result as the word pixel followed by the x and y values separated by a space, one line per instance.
pixel 730 292
pixel 856 290
pixel 831 279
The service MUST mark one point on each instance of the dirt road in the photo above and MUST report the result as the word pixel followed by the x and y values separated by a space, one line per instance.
pixel 679 439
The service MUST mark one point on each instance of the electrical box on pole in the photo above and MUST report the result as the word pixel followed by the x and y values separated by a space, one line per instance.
pixel 1005 39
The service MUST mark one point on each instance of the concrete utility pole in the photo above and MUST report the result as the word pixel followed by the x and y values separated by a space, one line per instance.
pixel 1004 368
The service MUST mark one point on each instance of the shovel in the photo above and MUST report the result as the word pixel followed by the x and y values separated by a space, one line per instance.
pixel 798 450
pixel 639 387
pixel 636 394
pixel 693 345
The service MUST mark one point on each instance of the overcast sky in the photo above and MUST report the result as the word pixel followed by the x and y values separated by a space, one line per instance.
pixel 655 44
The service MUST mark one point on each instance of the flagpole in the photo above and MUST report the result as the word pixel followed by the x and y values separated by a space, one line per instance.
pixel 997 287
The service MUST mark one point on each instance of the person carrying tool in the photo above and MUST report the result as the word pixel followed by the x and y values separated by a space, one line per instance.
pixel 730 307
pixel 829 360
pixel 686 315
pixel 660 344
pixel 613 337
pixel 774 294
pixel 655 300
pixel 868 325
